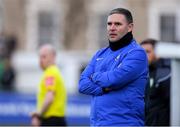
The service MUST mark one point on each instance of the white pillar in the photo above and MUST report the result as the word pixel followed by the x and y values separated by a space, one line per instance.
pixel 175 93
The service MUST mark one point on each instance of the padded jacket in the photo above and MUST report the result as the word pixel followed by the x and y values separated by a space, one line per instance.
pixel 125 73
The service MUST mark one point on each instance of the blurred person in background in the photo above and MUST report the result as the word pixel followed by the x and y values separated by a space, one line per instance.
pixel 157 94
pixel 117 75
pixel 51 100
pixel 7 72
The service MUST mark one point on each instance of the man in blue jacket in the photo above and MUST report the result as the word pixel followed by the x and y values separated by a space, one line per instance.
pixel 116 76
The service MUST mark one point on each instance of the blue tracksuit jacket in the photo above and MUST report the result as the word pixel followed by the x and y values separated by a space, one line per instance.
pixel 125 72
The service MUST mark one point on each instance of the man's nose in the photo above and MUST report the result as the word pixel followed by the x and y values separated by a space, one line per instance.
pixel 112 27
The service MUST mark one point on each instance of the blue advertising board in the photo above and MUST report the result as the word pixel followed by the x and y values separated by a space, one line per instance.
pixel 15 109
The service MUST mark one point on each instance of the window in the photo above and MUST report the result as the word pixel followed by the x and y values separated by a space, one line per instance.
pixel 168 28
pixel 46 27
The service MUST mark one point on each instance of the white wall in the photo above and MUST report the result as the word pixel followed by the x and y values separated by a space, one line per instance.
pixel 29 73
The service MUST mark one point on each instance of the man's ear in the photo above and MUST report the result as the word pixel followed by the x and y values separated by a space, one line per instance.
pixel 130 27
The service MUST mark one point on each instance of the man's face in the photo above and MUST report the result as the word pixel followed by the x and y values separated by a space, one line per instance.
pixel 150 52
pixel 117 27
pixel 44 58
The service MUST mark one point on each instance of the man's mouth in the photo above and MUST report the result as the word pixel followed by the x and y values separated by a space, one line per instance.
pixel 112 35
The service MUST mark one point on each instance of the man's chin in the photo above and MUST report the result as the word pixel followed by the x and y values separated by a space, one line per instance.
pixel 113 40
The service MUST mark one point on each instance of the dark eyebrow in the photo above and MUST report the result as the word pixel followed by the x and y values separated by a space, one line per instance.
pixel 109 23
pixel 116 23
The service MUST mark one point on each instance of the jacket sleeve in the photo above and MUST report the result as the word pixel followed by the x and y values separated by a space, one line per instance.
pixel 131 67
pixel 86 86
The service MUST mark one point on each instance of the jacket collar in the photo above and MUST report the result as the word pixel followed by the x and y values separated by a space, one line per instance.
pixel 121 42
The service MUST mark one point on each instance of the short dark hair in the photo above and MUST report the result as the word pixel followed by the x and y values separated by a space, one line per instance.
pixel 150 41
pixel 124 12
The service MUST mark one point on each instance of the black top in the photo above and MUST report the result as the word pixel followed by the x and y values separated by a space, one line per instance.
pixel 121 42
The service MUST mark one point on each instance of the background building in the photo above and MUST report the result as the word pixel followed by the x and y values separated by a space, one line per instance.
pixel 77 28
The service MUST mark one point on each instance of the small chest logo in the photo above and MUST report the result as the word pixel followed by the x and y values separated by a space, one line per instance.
pixel 117 58
pixel 98 59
